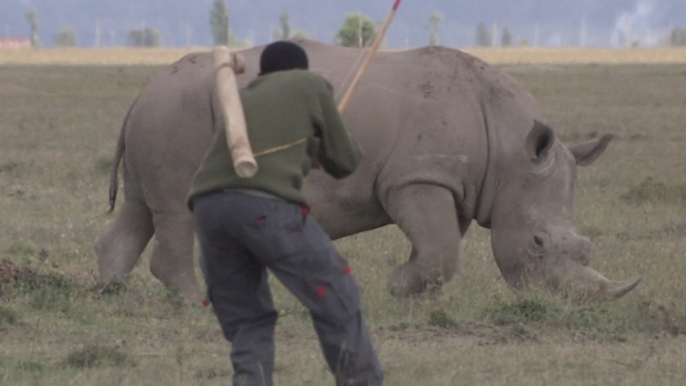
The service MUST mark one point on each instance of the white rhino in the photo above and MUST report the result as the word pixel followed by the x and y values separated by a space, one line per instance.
pixel 447 140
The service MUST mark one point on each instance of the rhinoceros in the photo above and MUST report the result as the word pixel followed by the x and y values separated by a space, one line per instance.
pixel 447 140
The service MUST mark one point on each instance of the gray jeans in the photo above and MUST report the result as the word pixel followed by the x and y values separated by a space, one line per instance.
pixel 240 236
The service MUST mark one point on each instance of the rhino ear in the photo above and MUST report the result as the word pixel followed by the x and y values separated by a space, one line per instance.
pixel 586 153
pixel 539 141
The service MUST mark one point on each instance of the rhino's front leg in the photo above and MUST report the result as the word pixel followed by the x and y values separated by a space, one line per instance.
pixel 428 216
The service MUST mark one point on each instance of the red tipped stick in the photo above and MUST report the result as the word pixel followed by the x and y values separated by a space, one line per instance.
pixel 375 47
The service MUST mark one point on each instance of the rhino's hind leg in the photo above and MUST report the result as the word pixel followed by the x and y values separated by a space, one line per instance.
pixel 120 245
pixel 172 258
pixel 428 217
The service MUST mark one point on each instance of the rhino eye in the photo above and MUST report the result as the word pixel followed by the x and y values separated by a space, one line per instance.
pixel 539 244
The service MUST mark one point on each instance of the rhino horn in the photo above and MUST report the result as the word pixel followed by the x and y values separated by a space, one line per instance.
pixel 587 284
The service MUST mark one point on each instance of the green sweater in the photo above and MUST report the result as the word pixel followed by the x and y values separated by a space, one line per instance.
pixel 281 108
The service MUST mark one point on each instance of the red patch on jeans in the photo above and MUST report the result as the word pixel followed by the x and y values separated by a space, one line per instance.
pixel 347 270
pixel 261 220
pixel 305 210
pixel 320 292
pixel 206 303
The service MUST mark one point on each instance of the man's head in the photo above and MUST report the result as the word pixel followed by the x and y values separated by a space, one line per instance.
pixel 283 56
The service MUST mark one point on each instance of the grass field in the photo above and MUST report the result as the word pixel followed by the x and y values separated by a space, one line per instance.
pixel 58 128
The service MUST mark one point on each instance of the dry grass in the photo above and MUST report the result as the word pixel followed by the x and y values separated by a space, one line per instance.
pixel 519 55
pixel 95 57
pixel 57 327
pixel 580 55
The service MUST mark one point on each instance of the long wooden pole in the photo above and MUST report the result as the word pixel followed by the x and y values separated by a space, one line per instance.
pixel 377 43
pixel 227 66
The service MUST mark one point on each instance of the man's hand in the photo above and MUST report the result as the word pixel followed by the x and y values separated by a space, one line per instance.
pixel 313 152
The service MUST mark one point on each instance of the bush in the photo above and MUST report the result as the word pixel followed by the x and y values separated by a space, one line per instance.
pixel 31 366
pixel 66 37
pixel 678 36
pixel 357 28
pixel 440 318
pixel 523 311
pixel 8 317
pixel 146 37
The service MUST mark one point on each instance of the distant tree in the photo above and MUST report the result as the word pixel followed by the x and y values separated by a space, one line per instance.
pixel 32 17
pixel 285 19
pixel 300 34
pixel 358 30
pixel 235 40
pixel 379 27
pixel 677 37
pixel 506 40
pixel 483 37
pixel 219 20
pixel 66 37
pixel 286 31
pixel 146 37
pixel 434 22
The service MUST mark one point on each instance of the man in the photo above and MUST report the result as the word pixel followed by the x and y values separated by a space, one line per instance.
pixel 247 225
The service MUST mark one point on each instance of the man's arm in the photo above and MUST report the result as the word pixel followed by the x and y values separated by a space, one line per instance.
pixel 339 154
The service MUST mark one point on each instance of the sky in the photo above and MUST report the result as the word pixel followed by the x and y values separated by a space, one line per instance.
pixel 180 22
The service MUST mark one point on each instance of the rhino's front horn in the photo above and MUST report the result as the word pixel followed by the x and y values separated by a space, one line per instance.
pixel 588 285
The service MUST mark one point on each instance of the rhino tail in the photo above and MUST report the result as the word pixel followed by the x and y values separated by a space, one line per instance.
pixel 114 173
pixel 118 155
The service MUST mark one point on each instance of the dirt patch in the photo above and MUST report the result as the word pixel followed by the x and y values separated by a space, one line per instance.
pixel 9 273
pixel 28 279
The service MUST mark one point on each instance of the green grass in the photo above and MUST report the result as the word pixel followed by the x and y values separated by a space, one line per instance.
pixel 97 356
pixel 59 327
pixel 8 317
pixel 650 190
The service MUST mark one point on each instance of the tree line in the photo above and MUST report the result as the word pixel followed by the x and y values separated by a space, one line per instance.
pixel 358 30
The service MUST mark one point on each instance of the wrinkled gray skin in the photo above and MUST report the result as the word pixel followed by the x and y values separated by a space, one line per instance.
pixel 447 141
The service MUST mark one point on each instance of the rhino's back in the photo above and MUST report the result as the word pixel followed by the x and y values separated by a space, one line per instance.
pixel 168 131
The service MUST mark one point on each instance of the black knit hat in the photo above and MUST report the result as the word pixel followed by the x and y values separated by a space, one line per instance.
pixel 283 56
